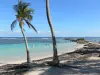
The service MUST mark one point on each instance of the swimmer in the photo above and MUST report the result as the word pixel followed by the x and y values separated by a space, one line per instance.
pixel 33 46
pixel 46 44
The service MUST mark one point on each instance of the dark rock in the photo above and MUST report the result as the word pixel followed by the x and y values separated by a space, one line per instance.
pixel 79 40
pixel 92 46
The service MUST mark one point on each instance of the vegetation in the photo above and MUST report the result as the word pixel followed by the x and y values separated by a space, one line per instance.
pixel 55 53
pixel 82 39
pixel 23 14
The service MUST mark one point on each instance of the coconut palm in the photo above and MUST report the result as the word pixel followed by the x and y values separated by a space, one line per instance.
pixel 23 15
pixel 55 54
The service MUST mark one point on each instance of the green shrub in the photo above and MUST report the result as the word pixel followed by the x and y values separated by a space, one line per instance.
pixel 81 39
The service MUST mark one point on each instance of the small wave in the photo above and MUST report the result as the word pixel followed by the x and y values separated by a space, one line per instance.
pixel 44 38
pixel 8 38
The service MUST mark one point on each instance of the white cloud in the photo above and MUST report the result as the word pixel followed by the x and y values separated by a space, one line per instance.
pixel 39 32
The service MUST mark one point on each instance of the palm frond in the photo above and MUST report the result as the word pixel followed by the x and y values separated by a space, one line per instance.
pixel 16 9
pixel 29 11
pixel 13 24
pixel 29 17
pixel 30 25
pixel 25 5
pixel 22 9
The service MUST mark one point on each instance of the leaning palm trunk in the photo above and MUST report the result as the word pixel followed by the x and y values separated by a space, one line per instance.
pixel 26 44
pixel 55 54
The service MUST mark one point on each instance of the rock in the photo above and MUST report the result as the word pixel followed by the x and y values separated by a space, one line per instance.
pixel 92 46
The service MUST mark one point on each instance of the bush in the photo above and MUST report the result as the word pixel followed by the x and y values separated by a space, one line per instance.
pixel 80 39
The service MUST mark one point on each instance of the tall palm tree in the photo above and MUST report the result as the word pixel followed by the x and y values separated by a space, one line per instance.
pixel 55 53
pixel 23 14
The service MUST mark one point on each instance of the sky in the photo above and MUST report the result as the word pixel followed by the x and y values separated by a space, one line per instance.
pixel 70 18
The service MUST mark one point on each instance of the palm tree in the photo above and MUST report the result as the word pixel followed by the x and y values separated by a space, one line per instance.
pixel 55 53
pixel 23 14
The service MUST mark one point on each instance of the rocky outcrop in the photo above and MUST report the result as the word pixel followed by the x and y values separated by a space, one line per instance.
pixel 92 46
pixel 89 48
pixel 79 40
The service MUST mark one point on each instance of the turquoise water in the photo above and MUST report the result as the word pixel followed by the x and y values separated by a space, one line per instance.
pixel 10 50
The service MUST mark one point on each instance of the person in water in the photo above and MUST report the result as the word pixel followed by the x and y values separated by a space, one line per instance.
pixel 33 45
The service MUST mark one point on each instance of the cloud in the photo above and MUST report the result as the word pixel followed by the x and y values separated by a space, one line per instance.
pixel 38 32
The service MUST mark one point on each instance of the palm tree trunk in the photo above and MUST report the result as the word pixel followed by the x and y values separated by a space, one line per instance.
pixel 26 44
pixel 55 53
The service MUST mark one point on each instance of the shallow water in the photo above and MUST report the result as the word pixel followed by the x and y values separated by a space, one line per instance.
pixel 12 49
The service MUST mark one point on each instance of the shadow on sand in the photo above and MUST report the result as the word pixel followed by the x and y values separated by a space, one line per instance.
pixel 77 67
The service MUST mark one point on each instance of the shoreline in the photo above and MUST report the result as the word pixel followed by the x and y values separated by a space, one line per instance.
pixel 78 46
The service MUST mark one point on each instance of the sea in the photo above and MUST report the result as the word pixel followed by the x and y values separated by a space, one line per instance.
pixel 13 48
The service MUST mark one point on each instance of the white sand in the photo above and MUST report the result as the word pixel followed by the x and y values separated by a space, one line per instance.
pixel 36 72
pixel 93 58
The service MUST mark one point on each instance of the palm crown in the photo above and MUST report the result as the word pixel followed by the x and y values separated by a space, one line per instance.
pixel 23 14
